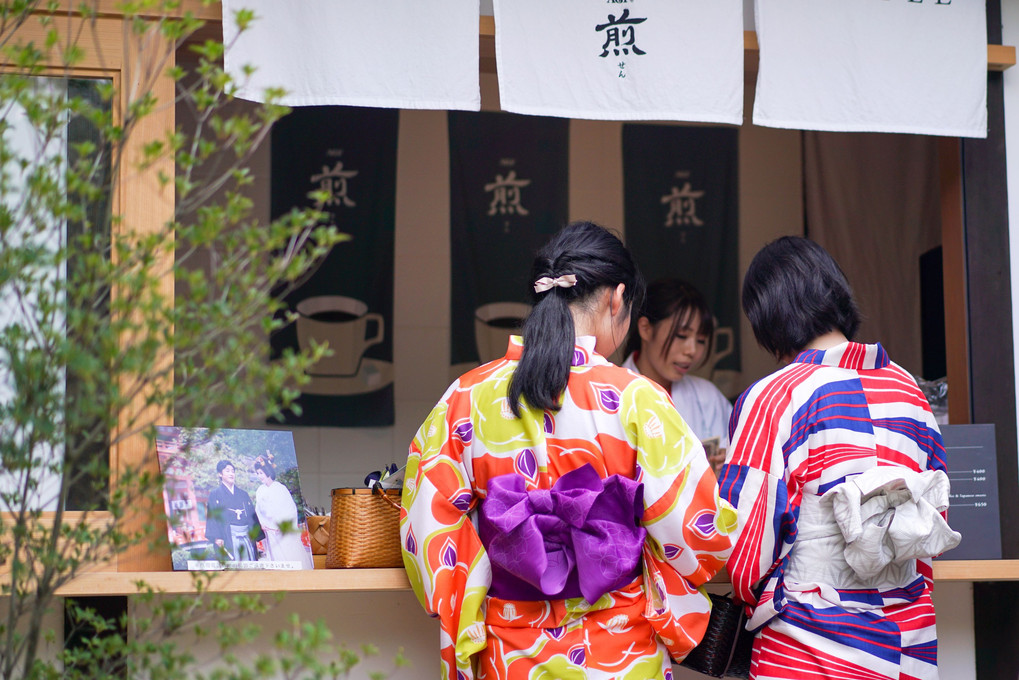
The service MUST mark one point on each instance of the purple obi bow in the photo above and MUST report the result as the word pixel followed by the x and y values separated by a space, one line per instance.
pixel 582 537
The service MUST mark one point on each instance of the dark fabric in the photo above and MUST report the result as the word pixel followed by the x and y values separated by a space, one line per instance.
pixel 508 194
pixel 681 211
pixel 352 152
pixel 872 201
pixel 226 510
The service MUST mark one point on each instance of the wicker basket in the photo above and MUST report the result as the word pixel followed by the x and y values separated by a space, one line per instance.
pixel 318 528
pixel 364 529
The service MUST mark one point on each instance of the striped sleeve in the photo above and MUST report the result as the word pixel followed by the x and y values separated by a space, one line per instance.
pixel 753 481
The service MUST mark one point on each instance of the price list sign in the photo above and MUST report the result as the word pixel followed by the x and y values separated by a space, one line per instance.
pixel 973 471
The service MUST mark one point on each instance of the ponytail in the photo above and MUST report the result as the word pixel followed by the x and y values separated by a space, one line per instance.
pixel 597 259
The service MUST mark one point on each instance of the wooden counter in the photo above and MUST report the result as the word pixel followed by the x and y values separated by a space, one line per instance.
pixel 368 580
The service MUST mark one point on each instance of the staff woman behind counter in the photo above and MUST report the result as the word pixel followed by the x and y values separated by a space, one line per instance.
pixel 673 336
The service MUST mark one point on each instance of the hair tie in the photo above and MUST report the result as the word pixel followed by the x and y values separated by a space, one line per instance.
pixel 547 282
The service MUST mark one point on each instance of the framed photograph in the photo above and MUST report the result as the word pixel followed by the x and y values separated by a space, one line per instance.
pixel 233 499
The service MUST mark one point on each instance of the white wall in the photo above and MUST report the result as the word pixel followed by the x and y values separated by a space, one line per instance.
pixel 390 621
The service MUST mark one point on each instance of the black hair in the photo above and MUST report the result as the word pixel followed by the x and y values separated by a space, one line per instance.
pixel 221 465
pixel 678 300
pixel 794 292
pixel 269 470
pixel 598 259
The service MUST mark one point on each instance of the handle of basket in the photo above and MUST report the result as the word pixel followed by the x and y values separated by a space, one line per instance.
pixel 385 496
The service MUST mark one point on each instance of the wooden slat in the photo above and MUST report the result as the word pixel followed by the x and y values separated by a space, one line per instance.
pixel 99 41
pixel 112 8
pixel 1000 57
pixel 486 26
pixel 953 252
pixel 94 520
pixel 312 581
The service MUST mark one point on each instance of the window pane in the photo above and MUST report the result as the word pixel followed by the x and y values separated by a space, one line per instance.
pixel 37 397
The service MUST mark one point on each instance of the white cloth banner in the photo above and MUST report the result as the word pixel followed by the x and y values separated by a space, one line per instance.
pixel 384 53
pixel 917 66
pixel 621 60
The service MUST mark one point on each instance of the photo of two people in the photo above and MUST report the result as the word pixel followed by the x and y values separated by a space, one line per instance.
pixel 233 499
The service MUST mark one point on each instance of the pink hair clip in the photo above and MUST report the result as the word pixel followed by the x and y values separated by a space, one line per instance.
pixel 547 282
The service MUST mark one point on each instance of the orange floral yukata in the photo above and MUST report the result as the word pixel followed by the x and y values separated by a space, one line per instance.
pixel 618 423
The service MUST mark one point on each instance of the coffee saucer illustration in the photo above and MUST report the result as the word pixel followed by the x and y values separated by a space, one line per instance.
pixel 373 374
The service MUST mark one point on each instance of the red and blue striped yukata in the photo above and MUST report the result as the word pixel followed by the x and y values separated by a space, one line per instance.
pixel 800 432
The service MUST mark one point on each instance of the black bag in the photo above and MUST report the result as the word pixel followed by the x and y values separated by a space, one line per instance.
pixel 724 652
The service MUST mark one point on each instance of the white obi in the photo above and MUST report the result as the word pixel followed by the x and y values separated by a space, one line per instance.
pixel 869 531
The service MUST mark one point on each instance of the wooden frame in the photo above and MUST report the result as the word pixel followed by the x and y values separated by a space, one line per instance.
pixel 145 205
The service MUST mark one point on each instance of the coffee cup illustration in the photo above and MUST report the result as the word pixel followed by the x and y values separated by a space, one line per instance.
pixel 342 322
pixel 725 380
pixel 494 323
pixel 722 347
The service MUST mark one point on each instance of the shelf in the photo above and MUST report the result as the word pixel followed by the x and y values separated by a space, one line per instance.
pixel 179 582
pixel 368 580
pixel 976 570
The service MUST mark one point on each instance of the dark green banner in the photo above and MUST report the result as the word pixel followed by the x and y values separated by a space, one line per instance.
pixel 348 301
pixel 508 194
pixel 681 211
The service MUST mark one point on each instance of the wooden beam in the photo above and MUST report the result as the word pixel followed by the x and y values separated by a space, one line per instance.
pixel 102 53
pixel 209 11
pixel 1000 57
pixel 146 206
pixel 95 521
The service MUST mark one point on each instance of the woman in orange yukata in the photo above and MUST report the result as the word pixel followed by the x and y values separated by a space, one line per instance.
pixel 559 517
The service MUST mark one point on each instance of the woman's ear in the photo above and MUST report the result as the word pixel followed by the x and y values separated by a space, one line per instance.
pixel 616 301
pixel 645 328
